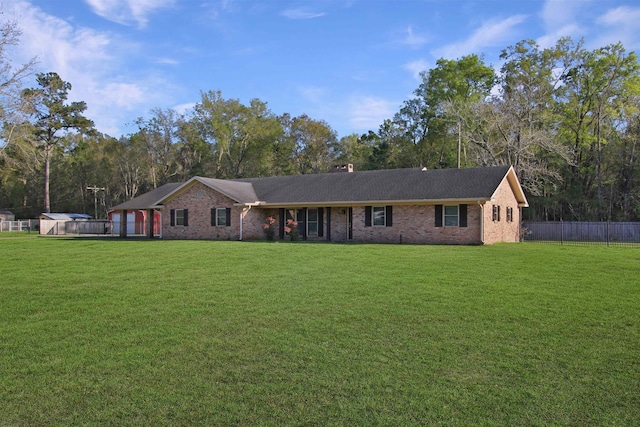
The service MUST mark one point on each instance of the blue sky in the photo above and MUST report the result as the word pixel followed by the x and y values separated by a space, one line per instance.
pixel 350 63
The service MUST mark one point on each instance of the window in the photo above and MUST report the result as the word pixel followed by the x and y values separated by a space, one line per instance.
pixel 378 215
pixel 312 222
pixel 221 217
pixel 509 214
pixel 292 221
pixel 179 217
pixel 451 216
pixel 291 214
pixel 496 213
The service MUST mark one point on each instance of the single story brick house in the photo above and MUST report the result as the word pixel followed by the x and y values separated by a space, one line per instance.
pixel 440 206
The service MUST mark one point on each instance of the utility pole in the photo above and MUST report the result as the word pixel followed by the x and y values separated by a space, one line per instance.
pixel 459 141
pixel 95 198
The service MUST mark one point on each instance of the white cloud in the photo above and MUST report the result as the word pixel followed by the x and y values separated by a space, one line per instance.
pixel 184 108
pixel 413 40
pixel 368 112
pixel 407 38
pixel 559 18
pixel 624 15
pixel 560 13
pixel 127 12
pixel 122 95
pixel 56 43
pixel 490 34
pixel 416 67
pixel 550 38
pixel 167 61
pixel 60 47
pixel 301 14
pixel 312 93
pixel 89 60
pixel 622 25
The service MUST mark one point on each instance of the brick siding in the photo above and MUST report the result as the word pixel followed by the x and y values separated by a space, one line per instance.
pixel 199 199
pixel 502 231
pixel 416 224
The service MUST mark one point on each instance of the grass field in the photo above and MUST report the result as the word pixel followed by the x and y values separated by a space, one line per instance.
pixel 138 332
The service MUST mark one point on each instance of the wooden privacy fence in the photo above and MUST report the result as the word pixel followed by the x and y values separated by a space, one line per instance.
pixel 573 232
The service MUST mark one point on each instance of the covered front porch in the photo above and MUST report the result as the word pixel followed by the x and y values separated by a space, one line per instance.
pixel 323 223
pixel 136 222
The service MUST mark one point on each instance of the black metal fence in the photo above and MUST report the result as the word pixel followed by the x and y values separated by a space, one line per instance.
pixel 572 232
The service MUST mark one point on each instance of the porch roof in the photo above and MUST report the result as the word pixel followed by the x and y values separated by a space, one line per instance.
pixel 149 200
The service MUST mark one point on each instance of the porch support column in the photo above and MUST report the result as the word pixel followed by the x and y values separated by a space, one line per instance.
pixel 150 222
pixel 281 222
pixel 329 224
pixel 123 223
pixel 304 223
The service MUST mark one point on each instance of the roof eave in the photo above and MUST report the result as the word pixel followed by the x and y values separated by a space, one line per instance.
pixel 518 192
pixel 177 190
pixel 346 203
pixel 136 208
pixel 250 204
pixel 225 193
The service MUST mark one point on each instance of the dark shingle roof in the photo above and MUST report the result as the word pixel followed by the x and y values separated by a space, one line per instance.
pixel 381 185
pixel 147 200
pixel 354 187
pixel 242 192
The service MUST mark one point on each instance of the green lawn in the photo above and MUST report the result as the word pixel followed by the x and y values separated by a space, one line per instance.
pixel 138 332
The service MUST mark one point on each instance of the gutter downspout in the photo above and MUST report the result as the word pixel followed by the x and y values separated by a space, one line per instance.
pixel 246 209
pixel 481 222
pixel 241 219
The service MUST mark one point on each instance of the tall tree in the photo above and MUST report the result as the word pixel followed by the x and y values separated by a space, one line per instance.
pixel 315 144
pixel 519 121
pixel 160 135
pixel 20 178
pixel 17 158
pixel 355 150
pixel 395 147
pixel 431 121
pixel 194 154
pixel 53 118
pixel 283 150
pixel 240 135
pixel 11 80
pixel 128 158
pixel 600 89
pixel 449 89
pixel 628 165
pixel 85 164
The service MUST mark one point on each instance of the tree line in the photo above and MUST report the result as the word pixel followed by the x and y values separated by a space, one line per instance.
pixel 566 117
